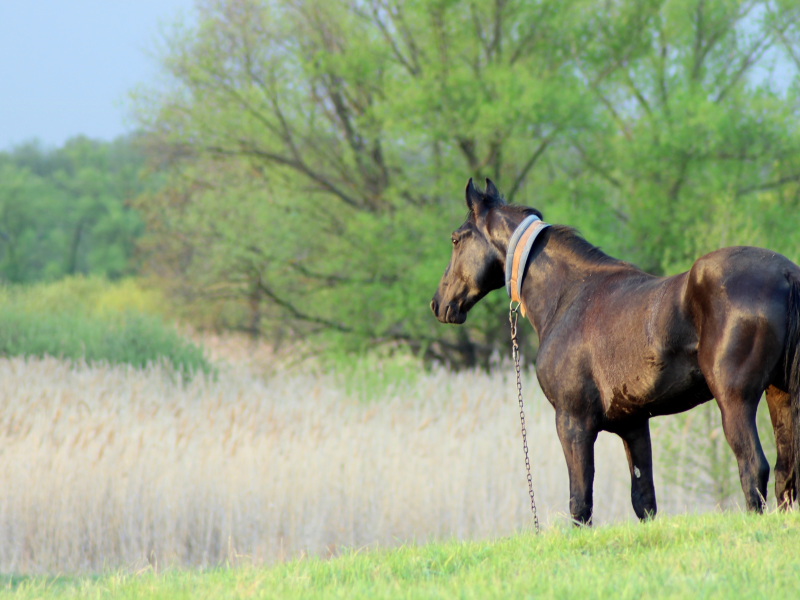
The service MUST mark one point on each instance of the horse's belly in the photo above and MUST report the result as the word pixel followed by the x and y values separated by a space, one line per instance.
pixel 655 386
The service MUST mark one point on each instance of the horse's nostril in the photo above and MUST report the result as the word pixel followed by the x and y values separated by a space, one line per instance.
pixel 433 306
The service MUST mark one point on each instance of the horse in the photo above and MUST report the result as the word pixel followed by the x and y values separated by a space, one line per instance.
pixel 618 346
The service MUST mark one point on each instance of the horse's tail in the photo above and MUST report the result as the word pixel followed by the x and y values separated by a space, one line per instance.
pixel 792 369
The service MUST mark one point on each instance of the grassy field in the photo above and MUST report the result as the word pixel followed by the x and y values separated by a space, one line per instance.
pixel 111 467
pixel 728 555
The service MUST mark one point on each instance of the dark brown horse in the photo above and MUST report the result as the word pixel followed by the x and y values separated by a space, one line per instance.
pixel 618 346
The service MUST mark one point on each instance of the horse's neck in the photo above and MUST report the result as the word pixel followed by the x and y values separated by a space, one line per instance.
pixel 546 276
pixel 557 273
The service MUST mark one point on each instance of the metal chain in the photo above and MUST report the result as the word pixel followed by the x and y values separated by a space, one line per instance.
pixel 512 319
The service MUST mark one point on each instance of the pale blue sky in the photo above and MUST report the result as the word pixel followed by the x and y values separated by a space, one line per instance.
pixel 67 65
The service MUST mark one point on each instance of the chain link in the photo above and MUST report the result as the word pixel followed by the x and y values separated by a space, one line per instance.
pixel 513 312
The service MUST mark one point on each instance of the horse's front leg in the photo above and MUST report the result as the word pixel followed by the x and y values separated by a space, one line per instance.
pixel 640 462
pixel 577 439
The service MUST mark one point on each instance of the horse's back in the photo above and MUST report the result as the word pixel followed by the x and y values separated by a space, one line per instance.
pixel 739 281
pixel 740 270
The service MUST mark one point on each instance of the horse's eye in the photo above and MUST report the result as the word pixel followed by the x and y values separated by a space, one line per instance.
pixel 455 242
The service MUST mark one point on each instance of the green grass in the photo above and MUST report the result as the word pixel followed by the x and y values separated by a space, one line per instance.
pixel 712 556
pixel 94 320
pixel 131 338
pixel 370 376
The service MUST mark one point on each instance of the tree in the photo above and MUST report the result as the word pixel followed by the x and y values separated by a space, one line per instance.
pixel 343 129
pixel 690 151
pixel 65 210
pixel 23 197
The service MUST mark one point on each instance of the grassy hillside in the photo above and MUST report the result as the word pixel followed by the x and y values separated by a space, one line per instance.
pixel 729 555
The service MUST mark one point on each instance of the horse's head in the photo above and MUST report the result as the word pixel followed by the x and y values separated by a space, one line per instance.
pixel 477 263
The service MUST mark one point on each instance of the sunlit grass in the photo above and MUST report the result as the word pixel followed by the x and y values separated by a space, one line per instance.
pixel 729 555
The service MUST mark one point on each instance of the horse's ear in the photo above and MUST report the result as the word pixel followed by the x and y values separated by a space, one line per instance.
pixel 474 199
pixel 491 189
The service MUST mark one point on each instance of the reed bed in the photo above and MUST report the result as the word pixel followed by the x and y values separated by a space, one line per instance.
pixel 112 467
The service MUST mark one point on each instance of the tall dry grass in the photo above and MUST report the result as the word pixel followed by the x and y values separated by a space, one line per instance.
pixel 102 467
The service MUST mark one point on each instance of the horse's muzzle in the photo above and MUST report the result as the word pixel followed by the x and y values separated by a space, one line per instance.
pixel 448 313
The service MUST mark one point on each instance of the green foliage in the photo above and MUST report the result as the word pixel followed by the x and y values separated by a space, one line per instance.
pixel 725 555
pixel 371 376
pixel 695 152
pixel 316 149
pixel 133 339
pixel 89 296
pixel 64 211
pixel 94 320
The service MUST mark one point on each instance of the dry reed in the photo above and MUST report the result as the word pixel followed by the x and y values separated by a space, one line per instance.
pixel 106 467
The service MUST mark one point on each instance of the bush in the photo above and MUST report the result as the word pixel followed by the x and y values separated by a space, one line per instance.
pixel 94 320
pixel 90 296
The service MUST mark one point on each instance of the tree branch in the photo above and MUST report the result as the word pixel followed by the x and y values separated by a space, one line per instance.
pixel 530 163
pixel 595 87
pixel 698 41
pixel 704 46
pixel 675 188
pixel 297 314
pixel 768 186
pixel 792 53
pixel 411 68
pixel 476 22
pixel 634 90
pixel 755 53
pixel 662 70
pixel 597 168
pixel 402 27
pixel 523 44
pixel 497 39
pixel 468 148
pixel 289 162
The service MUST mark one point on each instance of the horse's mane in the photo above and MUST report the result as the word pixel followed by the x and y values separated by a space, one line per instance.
pixel 578 245
pixel 568 236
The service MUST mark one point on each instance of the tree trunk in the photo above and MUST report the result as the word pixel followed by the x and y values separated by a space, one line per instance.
pixel 72 257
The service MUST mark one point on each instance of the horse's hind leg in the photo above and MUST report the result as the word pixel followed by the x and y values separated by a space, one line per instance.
pixel 640 462
pixel 739 425
pixel 780 412
pixel 577 440
pixel 736 357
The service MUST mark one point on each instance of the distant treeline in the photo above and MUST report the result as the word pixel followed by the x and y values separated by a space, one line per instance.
pixel 65 211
